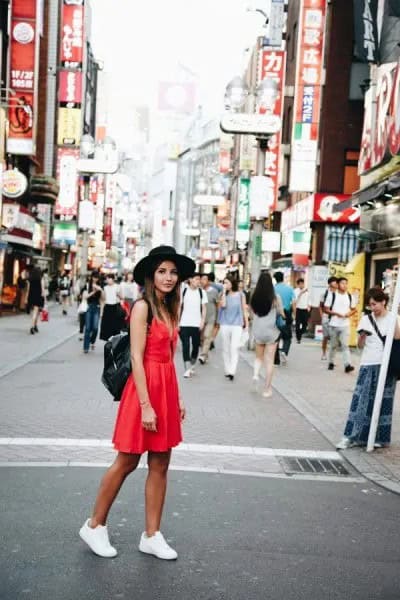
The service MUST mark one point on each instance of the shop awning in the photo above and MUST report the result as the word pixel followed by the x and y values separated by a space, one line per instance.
pixel 370 193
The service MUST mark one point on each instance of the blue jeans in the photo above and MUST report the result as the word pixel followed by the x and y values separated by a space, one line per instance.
pixel 91 325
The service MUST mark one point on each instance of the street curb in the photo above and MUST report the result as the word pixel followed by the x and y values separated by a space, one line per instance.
pixel 24 362
pixel 361 465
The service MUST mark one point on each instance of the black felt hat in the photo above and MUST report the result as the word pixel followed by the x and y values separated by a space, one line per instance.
pixel 186 266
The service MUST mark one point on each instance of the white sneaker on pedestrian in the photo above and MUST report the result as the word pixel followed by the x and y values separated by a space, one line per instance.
pixel 344 443
pixel 267 393
pixel 188 373
pixel 157 546
pixel 283 356
pixel 97 540
pixel 192 370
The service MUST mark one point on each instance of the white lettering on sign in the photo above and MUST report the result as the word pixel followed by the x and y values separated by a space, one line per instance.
pixel 369 37
pixel 381 130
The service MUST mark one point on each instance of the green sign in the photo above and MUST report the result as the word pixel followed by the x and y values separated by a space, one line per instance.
pixel 243 210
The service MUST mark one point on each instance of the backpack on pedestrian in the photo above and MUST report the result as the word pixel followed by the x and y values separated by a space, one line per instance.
pixel 117 360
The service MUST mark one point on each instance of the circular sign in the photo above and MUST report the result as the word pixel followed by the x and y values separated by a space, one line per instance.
pixel 23 33
pixel 14 183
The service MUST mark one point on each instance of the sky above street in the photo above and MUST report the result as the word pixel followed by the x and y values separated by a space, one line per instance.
pixel 142 43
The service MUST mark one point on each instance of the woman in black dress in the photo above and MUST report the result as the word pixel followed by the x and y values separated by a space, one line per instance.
pixel 35 295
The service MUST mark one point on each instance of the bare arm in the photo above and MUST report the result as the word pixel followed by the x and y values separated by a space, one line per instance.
pixel 244 310
pixel 397 330
pixel 138 325
pixel 222 302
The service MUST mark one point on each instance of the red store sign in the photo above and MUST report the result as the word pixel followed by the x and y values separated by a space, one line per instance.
pixel 273 66
pixel 72 27
pixel 70 89
pixel 320 208
pixel 381 131
pixel 24 46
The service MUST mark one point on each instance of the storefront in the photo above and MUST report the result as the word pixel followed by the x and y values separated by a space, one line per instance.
pixel 379 168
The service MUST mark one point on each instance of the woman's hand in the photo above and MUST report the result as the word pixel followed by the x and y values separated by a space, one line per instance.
pixel 149 418
pixel 182 410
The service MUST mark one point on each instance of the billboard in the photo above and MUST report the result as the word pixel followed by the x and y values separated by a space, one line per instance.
pixel 307 100
pixel 70 89
pixel 69 126
pixel 72 34
pixel 67 176
pixel 24 55
pixel 273 66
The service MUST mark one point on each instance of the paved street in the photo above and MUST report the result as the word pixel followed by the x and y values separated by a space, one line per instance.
pixel 260 504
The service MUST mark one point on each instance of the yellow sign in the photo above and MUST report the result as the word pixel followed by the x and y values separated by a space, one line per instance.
pixel 69 126
pixel 354 272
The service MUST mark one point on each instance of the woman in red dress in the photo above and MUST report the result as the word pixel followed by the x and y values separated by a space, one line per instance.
pixel 151 411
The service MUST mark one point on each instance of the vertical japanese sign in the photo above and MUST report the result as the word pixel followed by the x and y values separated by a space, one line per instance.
pixel 24 65
pixel 307 100
pixel 243 212
pixel 70 76
pixel 108 227
pixel 273 66
pixel 67 175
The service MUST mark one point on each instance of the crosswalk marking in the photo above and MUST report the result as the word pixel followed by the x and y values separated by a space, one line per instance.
pixel 184 447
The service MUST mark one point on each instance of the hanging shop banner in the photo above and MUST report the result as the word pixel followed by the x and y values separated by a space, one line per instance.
pixel 275 24
pixel 70 89
pixel 72 38
pixel 64 234
pixel 327 209
pixel 108 227
pixel 273 66
pixel 307 100
pixel 243 212
pixel 19 223
pixel 24 66
pixel 365 30
pixel 67 176
pixel 381 131
pixel 69 126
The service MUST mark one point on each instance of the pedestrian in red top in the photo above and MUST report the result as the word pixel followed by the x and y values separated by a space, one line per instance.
pixel 151 410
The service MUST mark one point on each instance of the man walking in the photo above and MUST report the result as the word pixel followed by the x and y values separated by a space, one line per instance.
pixel 286 294
pixel 340 307
pixel 193 316
pixel 325 318
pixel 302 309
pixel 211 317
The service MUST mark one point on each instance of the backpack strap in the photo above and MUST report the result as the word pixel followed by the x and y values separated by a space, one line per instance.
pixel 350 299
pixel 375 326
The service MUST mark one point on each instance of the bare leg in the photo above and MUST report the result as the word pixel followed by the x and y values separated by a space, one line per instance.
pixel 156 487
pixel 270 350
pixel 260 350
pixel 324 345
pixel 35 316
pixel 111 484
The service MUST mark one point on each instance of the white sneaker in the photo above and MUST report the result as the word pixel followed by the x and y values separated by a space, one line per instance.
pixel 97 540
pixel 344 443
pixel 283 356
pixel 267 394
pixel 157 546
pixel 193 370
pixel 188 373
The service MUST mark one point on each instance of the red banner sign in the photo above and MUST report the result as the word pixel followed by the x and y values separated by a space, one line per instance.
pixel 70 89
pixel 24 43
pixel 307 101
pixel 273 66
pixel 72 27
pixel 108 227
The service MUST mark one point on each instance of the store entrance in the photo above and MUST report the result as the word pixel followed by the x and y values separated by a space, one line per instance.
pixel 382 270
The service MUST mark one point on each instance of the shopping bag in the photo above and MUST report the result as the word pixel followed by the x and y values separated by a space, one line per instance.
pixel 44 314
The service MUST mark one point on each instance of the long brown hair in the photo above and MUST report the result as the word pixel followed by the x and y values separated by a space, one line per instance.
pixel 171 301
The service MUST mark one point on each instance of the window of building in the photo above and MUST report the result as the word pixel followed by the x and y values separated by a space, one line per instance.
pixel 351 179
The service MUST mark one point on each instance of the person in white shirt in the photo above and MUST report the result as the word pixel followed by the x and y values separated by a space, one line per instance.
pixel 340 306
pixel 356 431
pixel 332 287
pixel 128 290
pixel 302 309
pixel 193 316
pixel 112 320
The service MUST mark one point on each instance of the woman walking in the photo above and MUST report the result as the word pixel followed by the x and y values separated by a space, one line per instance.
pixel 232 319
pixel 266 307
pixel 151 410
pixel 359 420
pixel 35 295
pixel 112 319
pixel 94 297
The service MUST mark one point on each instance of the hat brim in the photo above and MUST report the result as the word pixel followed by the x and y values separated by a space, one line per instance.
pixel 185 265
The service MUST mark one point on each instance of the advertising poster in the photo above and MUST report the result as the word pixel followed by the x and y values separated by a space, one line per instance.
pixel 24 52
pixel 69 126
pixel 67 176
pixel 354 271
pixel 72 39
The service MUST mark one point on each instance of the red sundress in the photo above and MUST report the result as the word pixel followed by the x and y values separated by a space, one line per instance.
pixel 158 360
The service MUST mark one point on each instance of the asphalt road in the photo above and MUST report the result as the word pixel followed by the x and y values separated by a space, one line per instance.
pixel 238 538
